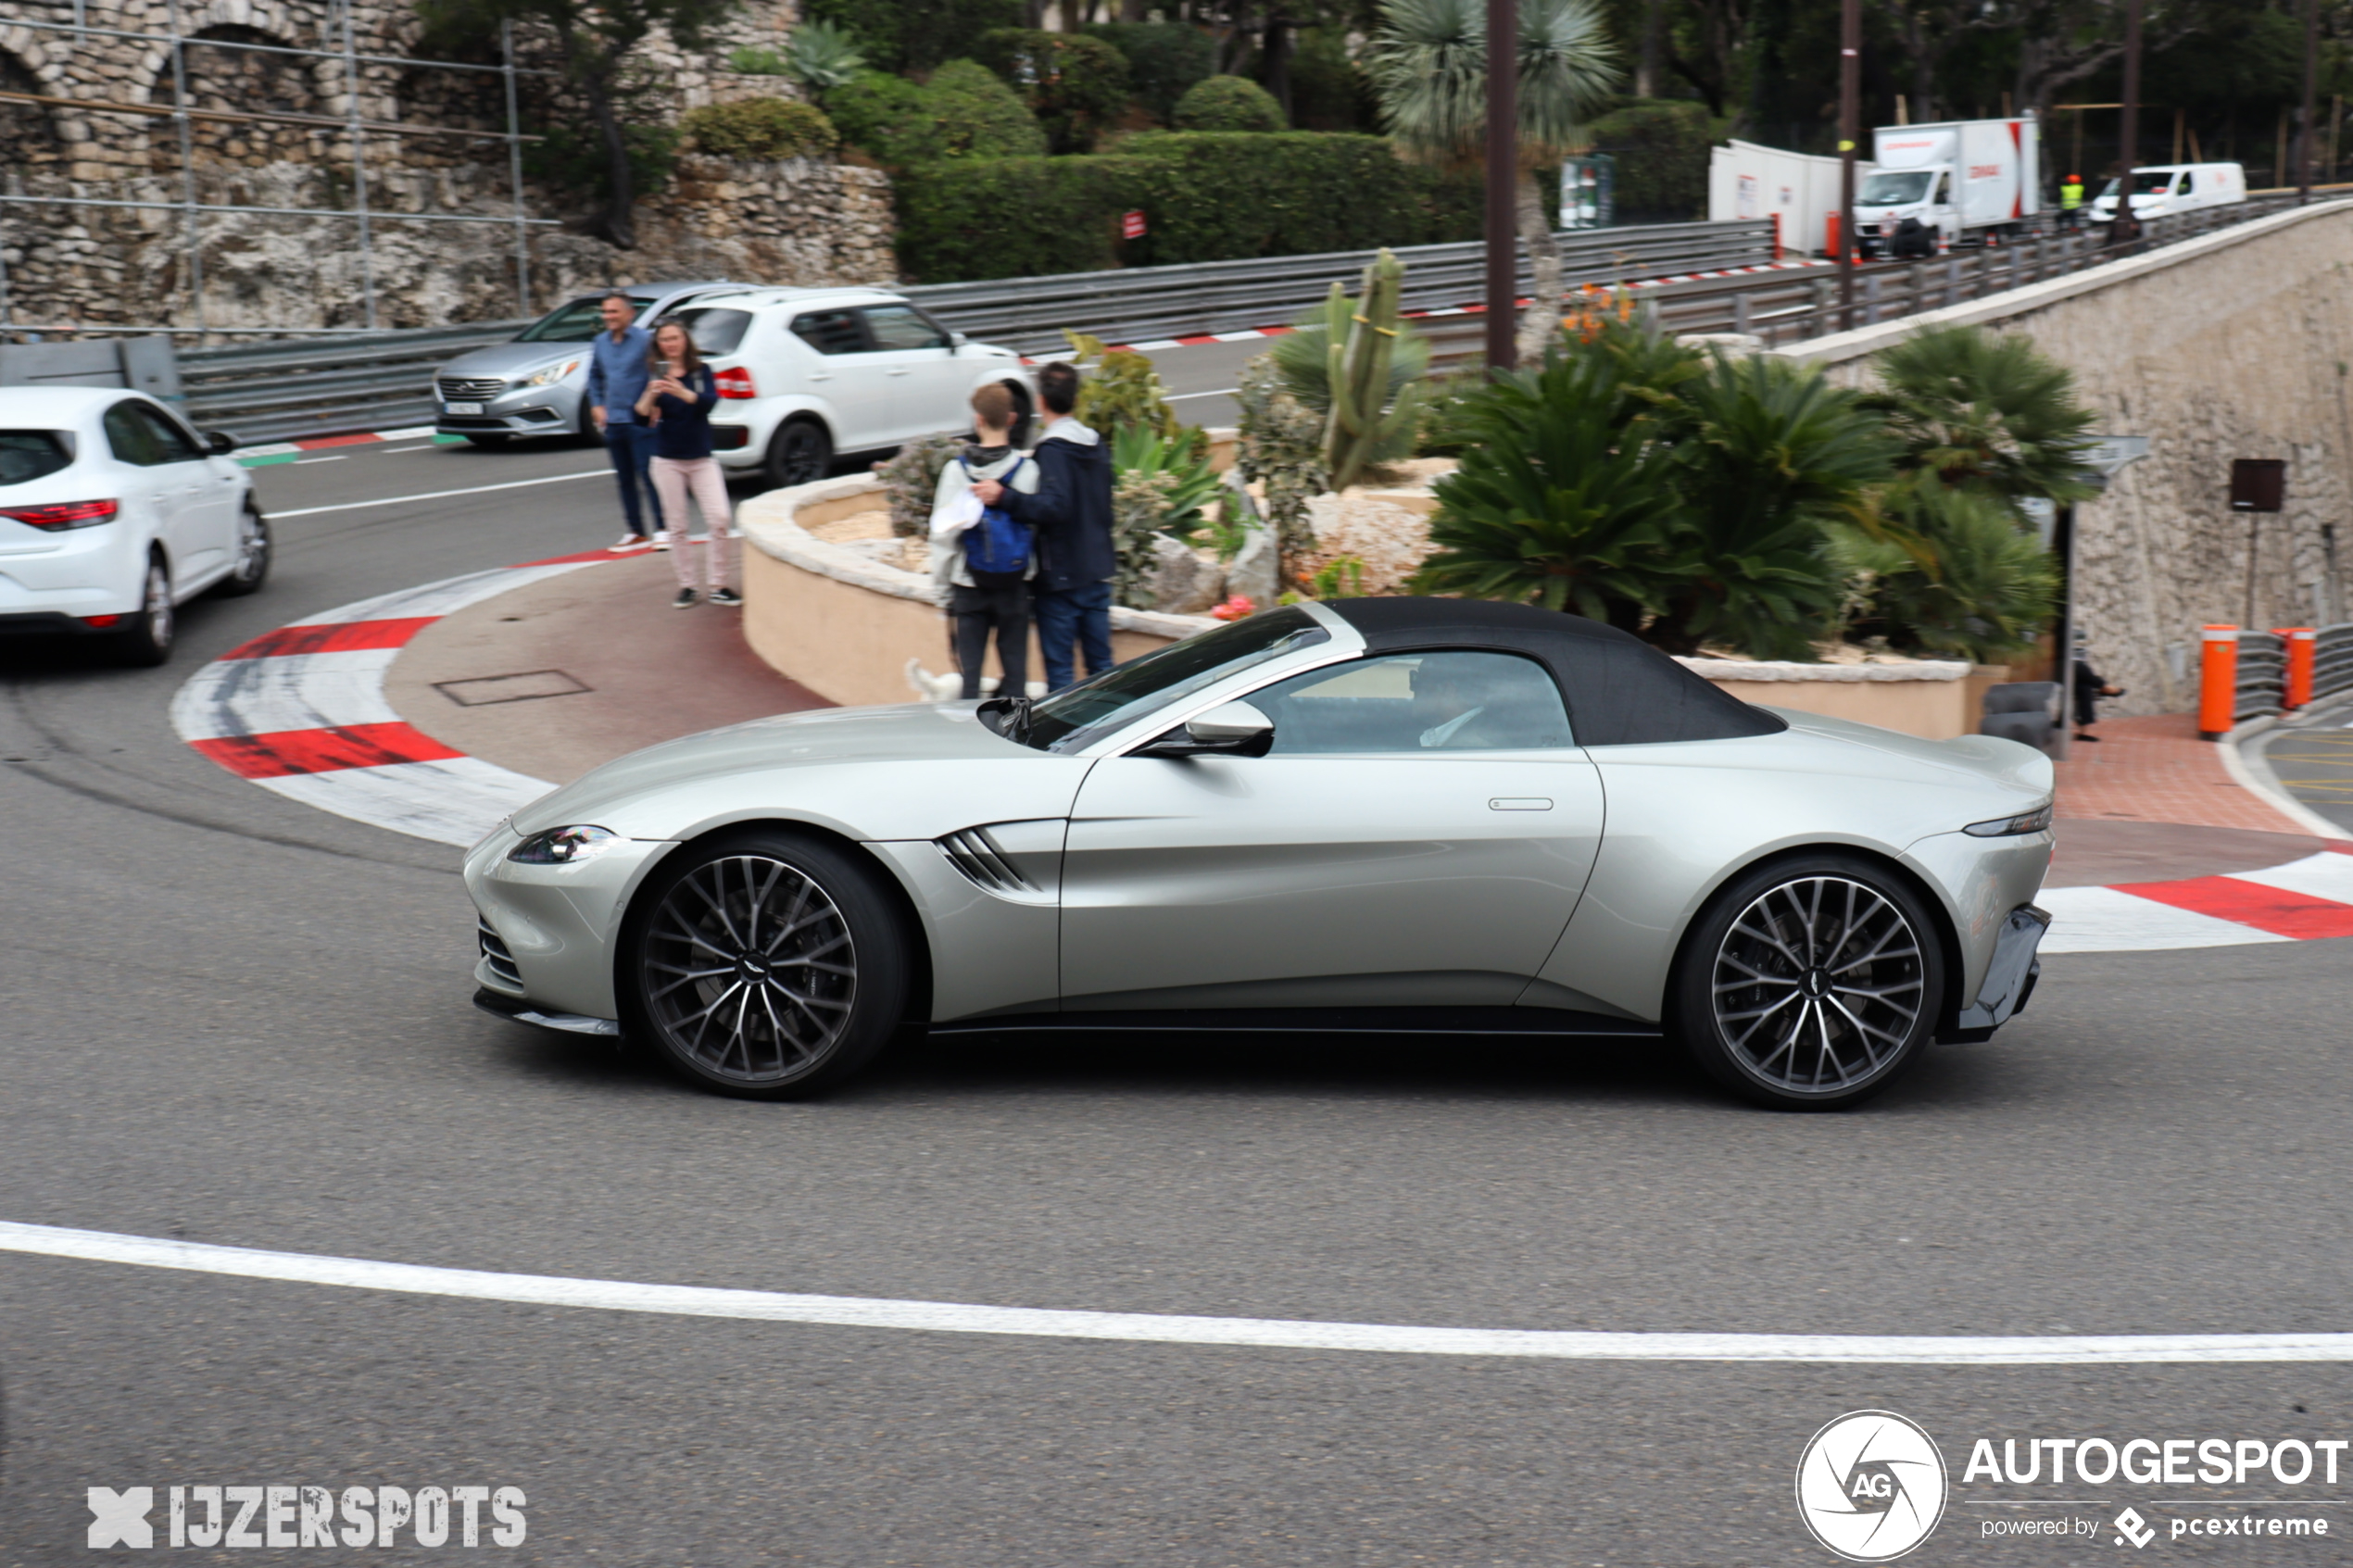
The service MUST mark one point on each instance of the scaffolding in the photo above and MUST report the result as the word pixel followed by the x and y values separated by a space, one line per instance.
pixel 337 26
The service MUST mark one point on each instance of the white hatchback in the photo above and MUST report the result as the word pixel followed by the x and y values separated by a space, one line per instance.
pixel 112 512
pixel 806 373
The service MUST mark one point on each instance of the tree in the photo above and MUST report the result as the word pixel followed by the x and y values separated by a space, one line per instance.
pixel 1987 414
pixel 1429 66
pixel 593 40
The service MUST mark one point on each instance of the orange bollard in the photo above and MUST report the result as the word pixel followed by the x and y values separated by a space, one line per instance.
pixel 2301 648
pixel 1830 233
pixel 2218 681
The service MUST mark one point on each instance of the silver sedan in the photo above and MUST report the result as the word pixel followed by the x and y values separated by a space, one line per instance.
pixel 1391 814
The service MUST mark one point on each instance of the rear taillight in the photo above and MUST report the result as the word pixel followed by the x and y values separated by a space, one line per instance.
pixel 65 514
pixel 734 382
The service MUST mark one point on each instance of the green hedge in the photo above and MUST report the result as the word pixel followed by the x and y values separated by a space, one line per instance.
pixel 764 128
pixel 1076 85
pixel 963 112
pixel 1205 196
pixel 1163 59
pixel 1661 146
pixel 1228 102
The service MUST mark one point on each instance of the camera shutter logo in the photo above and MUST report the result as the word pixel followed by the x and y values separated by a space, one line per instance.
pixel 1870 1486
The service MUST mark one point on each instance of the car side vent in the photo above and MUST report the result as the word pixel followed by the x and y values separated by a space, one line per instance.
pixel 502 962
pixel 981 859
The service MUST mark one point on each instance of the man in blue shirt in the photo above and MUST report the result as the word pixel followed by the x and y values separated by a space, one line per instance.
pixel 616 374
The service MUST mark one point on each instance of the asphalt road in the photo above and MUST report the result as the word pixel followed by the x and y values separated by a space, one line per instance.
pixel 235 1019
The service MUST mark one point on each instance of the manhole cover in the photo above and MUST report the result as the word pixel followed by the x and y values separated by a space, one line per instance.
pixel 486 689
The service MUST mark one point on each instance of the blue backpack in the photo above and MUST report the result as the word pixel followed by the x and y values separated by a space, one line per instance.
pixel 997 546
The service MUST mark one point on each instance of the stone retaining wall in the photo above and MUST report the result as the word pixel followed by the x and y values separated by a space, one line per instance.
pixel 2235 345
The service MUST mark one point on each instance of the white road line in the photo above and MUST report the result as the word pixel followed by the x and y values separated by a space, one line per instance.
pixel 1221 391
pixel 305 462
pixel 947 1317
pixel 439 494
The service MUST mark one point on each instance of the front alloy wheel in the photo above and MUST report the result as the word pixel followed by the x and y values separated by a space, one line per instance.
pixel 253 555
pixel 799 453
pixel 767 965
pixel 1811 986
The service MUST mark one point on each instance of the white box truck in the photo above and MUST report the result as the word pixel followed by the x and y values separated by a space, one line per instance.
pixel 1966 182
pixel 2176 188
pixel 1798 191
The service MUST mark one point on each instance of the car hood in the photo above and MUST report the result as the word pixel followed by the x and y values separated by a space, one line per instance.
pixel 513 359
pixel 909 771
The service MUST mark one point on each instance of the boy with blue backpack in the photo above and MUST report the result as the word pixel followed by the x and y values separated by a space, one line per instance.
pixel 980 553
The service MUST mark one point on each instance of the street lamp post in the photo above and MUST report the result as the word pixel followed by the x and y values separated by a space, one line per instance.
pixel 2311 86
pixel 1502 166
pixel 1850 130
pixel 2126 228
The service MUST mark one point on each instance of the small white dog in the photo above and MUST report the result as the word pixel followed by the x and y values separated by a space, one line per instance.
pixel 951 686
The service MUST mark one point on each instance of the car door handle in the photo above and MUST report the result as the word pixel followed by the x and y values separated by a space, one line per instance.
pixel 899 373
pixel 821 376
pixel 1519 803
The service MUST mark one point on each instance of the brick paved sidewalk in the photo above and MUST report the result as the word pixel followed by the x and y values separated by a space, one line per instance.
pixel 2156 770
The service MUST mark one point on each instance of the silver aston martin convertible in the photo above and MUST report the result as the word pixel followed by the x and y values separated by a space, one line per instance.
pixel 1386 814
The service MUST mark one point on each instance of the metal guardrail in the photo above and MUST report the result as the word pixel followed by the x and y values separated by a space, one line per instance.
pixel 2263 676
pixel 285 391
pixel 1139 304
pixel 2332 661
pixel 282 390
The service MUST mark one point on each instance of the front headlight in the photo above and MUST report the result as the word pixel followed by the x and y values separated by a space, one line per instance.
pixel 569 847
pixel 553 373
pixel 2009 827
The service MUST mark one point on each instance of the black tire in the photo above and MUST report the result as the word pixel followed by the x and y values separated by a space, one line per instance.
pixel 489 440
pixel 1810 983
pixel 146 640
pixel 253 556
pixel 799 453
pixel 692 948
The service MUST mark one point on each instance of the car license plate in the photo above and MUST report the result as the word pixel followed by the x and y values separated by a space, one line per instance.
pixel 462 408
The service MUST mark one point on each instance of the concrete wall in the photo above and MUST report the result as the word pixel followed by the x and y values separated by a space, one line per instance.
pixel 2234 346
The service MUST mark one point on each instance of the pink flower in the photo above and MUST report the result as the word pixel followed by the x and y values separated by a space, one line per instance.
pixel 1235 608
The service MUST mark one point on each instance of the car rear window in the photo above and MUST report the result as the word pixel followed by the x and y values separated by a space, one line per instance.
pixel 715 331
pixel 578 323
pixel 27 455
pixel 831 332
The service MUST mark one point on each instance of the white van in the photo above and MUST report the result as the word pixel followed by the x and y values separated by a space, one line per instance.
pixel 2176 188
pixel 1964 181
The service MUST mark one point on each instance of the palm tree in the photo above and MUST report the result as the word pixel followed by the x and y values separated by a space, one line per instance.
pixel 1430 65
pixel 1987 413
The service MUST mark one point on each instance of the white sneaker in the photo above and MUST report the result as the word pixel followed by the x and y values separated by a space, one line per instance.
pixel 628 542
pixel 662 538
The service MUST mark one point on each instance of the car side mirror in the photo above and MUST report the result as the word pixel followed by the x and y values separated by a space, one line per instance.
pixel 957 340
pixel 1233 729
pixel 219 442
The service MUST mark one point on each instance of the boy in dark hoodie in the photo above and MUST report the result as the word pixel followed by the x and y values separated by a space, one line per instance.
pixel 1071 512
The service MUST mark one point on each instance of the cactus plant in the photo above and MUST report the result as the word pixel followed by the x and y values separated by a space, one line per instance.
pixel 1365 426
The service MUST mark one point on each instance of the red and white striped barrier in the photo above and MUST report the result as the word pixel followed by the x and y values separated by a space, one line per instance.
pixel 301 711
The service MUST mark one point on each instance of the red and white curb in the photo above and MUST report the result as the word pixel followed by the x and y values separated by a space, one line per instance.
pixel 285 451
pixel 1196 340
pixel 2297 902
pixel 301 711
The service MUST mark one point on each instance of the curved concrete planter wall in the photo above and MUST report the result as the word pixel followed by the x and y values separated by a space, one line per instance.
pixel 845 627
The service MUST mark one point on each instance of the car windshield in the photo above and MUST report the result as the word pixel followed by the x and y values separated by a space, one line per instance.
pixel 1077 716
pixel 1893 190
pixel 578 323
pixel 27 455
pixel 715 331
pixel 2151 182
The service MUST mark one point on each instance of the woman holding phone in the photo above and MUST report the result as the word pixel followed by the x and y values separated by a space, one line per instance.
pixel 677 400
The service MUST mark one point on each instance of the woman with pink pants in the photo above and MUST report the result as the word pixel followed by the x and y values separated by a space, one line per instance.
pixel 678 401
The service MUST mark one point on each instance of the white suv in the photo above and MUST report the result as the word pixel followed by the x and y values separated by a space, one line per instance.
pixel 113 511
pixel 806 373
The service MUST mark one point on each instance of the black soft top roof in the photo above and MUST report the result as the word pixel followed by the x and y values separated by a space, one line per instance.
pixel 1620 690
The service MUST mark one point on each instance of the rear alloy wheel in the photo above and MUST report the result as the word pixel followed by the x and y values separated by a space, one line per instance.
pixel 799 453
pixel 766 965
pixel 1810 984
pixel 145 638
pixel 253 555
